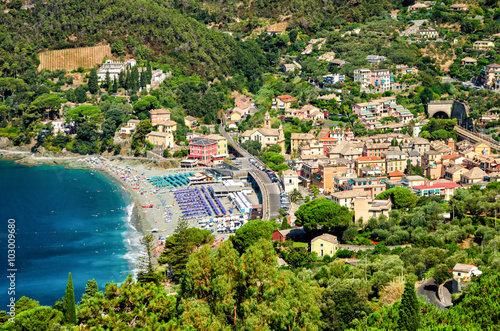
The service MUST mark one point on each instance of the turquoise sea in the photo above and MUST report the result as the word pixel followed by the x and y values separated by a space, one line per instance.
pixel 67 220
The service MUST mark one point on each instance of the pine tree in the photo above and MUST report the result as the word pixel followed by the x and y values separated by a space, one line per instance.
pixel 69 302
pixel 409 310
pixel 147 275
pixel 93 81
pixel 91 289
pixel 115 85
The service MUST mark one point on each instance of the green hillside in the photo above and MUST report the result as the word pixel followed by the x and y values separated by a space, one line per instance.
pixel 143 29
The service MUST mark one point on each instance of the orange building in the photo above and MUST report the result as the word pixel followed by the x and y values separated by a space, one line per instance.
pixel 159 115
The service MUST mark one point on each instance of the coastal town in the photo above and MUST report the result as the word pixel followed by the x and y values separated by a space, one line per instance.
pixel 343 155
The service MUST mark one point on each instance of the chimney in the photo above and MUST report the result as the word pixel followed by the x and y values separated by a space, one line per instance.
pixel 451 144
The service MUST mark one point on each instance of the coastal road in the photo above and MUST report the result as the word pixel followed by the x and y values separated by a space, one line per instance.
pixel 429 290
pixel 269 190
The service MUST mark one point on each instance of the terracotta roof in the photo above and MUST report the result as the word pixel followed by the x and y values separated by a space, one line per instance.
pixel 168 123
pixel 287 98
pixel 369 158
pixel 159 111
pixel 396 173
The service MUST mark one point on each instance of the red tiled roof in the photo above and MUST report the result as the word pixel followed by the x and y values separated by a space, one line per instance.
pixel 369 158
pixel 449 156
pixel 438 186
pixel 396 173
pixel 287 98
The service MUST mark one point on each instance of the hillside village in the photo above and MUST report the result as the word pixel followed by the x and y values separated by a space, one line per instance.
pixel 367 136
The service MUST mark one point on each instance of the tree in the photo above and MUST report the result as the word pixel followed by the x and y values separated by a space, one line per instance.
pixel 81 94
pixel 84 113
pixel 323 212
pixel 115 86
pixel 143 128
pixel 441 273
pixel 91 290
pixel 69 303
pixel 402 198
pixel 143 306
pixel 247 292
pixel 181 244
pixel 409 310
pixel 39 318
pixel 108 80
pixel 293 35
pixel 251 232
pixel 147 275
pixel 93 81
pixel 344 303
pixel 25 303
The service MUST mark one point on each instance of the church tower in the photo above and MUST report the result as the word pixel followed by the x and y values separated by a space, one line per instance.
pixel 267 121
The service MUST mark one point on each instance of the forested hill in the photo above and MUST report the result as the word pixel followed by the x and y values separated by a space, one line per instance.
pixel 312 15
pixel 141 28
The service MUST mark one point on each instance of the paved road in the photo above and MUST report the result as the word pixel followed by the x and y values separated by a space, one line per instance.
pixel 429 289
pixel 269 190
pixel 413 29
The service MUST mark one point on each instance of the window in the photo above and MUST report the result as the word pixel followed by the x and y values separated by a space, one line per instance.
pixel 321 245
pixel 459 274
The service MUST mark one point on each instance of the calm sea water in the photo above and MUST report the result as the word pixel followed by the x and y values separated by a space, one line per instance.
pixel 67 221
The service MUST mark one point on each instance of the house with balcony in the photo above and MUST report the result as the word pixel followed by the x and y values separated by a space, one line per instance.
pixel 363 76
pixel 473 176
pixel 344 150
pixel 429 33
pixel 468 61
pixel 489 76
pixel 299 139
pixel 378 149
pixel 282 102
pixel 371 185
pixel 347 198
pixel 396 160
pixel 382 79
pixel 444 190
pixel 202 149
pixel 365 208
pixel 369 161
pixel 332 79
pixel 375 59
pixel 483 45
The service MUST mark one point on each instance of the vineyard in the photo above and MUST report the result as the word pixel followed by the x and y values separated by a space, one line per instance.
pixel 72 58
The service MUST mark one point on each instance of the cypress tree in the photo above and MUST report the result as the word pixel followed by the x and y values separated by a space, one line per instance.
pixel 143 79
pixel 122 79
pixel 409 311
pixel 93 81
pixel 69 302
pixel 108 80
pixel 115 86
pixel 150 74
pixel 134 80
pixel 127 80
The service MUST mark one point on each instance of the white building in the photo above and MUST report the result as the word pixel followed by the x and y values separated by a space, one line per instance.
pixel 290 180
pixel 114 68
pixel 363 76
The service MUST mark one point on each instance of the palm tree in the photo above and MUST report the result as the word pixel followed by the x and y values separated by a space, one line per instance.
pixel 294 195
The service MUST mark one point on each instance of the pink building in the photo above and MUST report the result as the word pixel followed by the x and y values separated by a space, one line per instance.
pixel 381 78
pixel 159 115
pixel 202 148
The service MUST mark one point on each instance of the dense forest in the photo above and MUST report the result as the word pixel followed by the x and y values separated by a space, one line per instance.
pixel 142 29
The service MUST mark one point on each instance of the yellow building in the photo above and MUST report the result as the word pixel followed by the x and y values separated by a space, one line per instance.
pixel 167 126
pixel 326 244
pixel 482 149
pixel 298 139
pixel 483 45
pixel 221 143
pixel 190 122
pixel 162 139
